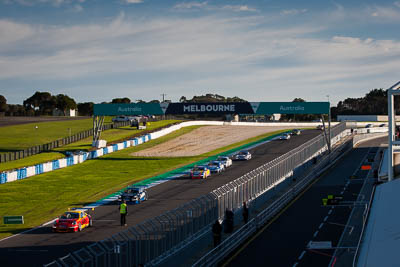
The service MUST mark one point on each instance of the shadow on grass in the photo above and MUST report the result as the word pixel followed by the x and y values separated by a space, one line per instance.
pixel 9 150
pixel 13 231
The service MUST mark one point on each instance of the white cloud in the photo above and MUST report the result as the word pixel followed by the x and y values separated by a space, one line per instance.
pixel 363 14
pixel 293 11
pixel 55 3
pixel 205 5
pixel 133 1
pixel 239 8
pixel 77 8
pixel 241 56
pixel 190 5
pixel 12 32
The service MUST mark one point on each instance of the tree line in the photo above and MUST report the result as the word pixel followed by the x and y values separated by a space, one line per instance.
pixel 43 103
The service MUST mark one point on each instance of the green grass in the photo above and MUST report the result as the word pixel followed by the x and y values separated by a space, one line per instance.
pixel 112 135
pixel 43 197
pixel 115 135
pixel 19 137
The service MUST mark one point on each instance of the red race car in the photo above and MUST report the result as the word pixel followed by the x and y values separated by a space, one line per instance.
pixel 72 221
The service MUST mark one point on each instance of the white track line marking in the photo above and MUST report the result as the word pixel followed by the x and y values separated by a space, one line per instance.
pixel 326 218
pixel 302 255
pixel 329 212
pixel 294 265
pixel 320 226
pixel 315 234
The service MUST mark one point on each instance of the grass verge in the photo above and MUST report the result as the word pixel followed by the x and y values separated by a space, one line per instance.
pixel 84 145
pixel 43 197
pixel 20 137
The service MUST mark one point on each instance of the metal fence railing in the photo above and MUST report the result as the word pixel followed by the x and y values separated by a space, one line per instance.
pixel 213 257
pixel 157 238
pixel 16 155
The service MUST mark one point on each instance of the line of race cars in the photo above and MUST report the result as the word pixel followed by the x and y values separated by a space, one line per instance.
pixel 217 166
pixel 77 219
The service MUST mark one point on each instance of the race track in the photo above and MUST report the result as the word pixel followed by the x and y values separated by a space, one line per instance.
pixel 41 246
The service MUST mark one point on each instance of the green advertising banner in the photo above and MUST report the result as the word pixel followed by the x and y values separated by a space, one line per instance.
pixel 259 108
pixel 13 219
pixel 127 109
pixel 290 107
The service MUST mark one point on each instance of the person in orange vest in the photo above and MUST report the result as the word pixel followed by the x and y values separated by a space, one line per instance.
pixel 123 210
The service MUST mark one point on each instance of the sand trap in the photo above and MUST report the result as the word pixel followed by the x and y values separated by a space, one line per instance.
pixel 205 139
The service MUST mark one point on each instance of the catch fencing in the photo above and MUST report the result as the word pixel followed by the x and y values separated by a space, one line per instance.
pixel 11 156
pixel 154 240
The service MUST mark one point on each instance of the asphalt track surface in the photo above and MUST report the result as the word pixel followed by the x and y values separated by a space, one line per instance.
pixel 41 246
pixel 284 241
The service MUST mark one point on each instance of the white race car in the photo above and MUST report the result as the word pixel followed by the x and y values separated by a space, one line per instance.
pixel 225 160
pixel 243 155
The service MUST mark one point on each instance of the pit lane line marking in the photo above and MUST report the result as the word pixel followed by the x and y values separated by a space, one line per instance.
pixel 326 217
pixel 316 233
pixel 294 265
pixel 329 212
pixel 28 250
pixel 320 226
pixel 302 255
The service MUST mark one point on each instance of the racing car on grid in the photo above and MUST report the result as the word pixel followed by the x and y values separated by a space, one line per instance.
pixel 201 172
pixel 216 166
pixel 225 160
pixel 243 155
pixel 284 136
pixel 296 132
pixel 72 221
pixel 134 194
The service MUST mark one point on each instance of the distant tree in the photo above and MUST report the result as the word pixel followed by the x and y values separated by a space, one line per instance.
pixel 85 109
pixel 373 103
pixel 155 101
pixel 235 99
pixel 183 99
pixel 64 103
pixel 124 100
pixel 140 101
pixel 3 104
pixel 42 103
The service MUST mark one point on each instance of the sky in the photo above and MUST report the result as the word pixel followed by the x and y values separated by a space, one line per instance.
pixel 261 50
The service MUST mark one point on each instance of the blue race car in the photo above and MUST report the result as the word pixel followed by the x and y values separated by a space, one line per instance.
pixel 216 166
pixel 134 194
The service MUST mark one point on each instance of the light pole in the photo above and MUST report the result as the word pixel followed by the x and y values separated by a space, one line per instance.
pixel 329 123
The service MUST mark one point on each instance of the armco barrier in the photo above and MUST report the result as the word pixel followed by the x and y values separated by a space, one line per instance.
pixel 153 240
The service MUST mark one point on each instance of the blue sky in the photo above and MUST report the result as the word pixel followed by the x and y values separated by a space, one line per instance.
pixel 264 50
